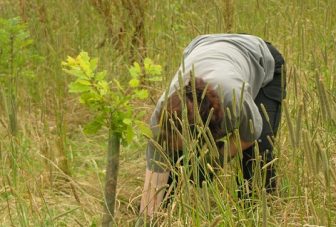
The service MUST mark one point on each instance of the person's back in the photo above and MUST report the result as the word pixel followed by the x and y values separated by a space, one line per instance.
pixel 234 57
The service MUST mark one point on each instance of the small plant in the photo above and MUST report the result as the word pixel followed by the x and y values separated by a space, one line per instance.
pixel 149 72
pixel 113 106
pixel 15 55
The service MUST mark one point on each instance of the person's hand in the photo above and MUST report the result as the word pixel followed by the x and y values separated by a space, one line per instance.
pixel 152 195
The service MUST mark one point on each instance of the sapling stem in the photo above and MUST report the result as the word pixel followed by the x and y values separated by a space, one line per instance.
pixel 112 167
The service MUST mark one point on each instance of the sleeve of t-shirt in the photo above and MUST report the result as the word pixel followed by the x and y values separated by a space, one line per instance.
pixel 250 126
pixel 243 114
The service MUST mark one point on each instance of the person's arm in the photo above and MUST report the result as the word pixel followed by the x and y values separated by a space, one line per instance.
pixel 233 146
pixel 248 113
pixel 153 192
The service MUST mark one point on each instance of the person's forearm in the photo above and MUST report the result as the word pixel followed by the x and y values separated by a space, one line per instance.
pixel 153 192
pixel 234 146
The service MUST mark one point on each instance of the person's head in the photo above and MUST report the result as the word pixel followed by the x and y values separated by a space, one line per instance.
pixel 207 101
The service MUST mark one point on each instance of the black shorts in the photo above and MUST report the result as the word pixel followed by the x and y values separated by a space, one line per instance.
pixel 276 89
pixel 270 97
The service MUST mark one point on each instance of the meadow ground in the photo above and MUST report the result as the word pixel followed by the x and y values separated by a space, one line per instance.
pixel 52 174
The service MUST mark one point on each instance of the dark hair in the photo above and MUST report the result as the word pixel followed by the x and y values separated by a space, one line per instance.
pixel 207 99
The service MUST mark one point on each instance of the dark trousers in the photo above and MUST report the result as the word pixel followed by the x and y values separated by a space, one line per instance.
pixel 271 97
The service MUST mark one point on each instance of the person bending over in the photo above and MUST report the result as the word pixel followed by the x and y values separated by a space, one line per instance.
pixel 236 78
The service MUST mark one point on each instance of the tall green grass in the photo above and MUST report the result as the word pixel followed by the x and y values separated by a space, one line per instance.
pixel 37 188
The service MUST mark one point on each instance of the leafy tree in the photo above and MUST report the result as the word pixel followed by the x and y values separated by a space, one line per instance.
pixel 16 54
pixel 113 106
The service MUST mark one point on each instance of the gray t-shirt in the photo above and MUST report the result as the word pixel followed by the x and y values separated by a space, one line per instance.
pixel 227 62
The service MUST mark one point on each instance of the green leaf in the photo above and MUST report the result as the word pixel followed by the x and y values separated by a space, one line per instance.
pixel 83 60
pixel 103 87
pixel 135 70
pixel 87 98
pixel 134 83
pixel 83 57
pixel 94 64
pixel 93 126
pixel 83 82
pixel 100 75
pixel 148 63
pixel 75 71
pixel 141 94
pixel 69 62
pixel 127 121
pixel 127 135
pixel 144 129
pixel 78 88
pixel 151 68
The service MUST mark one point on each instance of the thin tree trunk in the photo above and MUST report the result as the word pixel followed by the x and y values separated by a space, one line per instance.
pixel 12 91
pixel 112 167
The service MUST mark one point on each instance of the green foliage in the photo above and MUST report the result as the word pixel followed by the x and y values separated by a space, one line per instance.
pixel 16 53
pixel 149 71
pixel 111 102
pixel 15 49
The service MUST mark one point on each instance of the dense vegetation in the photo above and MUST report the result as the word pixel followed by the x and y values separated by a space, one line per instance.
pixel 52 173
